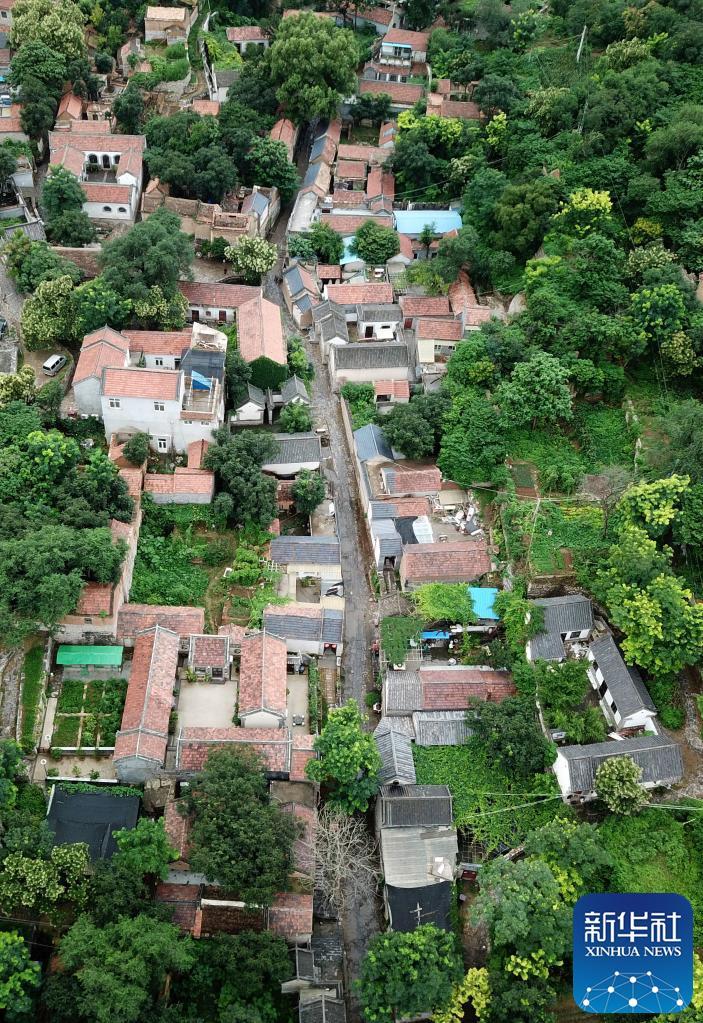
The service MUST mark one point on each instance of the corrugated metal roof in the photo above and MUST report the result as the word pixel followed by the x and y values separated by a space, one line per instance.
pixel 659 758
pixel 412 221
pixel 482 600
pixel 370 442
pixel 309 550
pixel 422 806
pixel 408 854
pixel 395 749
pixel 626 688
pixel 89 655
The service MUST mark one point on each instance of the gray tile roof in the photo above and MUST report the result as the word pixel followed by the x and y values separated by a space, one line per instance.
pixel 658 756
pixel 379 313
pixel 321 1009
pixel 370 442
pixel 307 550
pixel 328 628
pixel 415 806
pixel 317 148
pixel 304 964
pixel 382 509
pixel 294 388
pixel 440 727
pixel 293 280
pixel 256 395
pixel 402 692
pixel 294 448
pixel 395 749
pixel 625 685
pixel 330 321
pixel 561 615
pixel 372 355
pixel 390 541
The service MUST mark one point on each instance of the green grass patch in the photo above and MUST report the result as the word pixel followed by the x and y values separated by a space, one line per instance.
pixel 479 789
pixel 604 436
pixel 396 634
pixel 31 693
pixel 71 698
pixel 560 528
pixel 166 569
pixel 66 729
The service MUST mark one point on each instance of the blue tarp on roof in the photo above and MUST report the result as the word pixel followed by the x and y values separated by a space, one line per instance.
pixel 200 382
pixel 483 598
pixel 435 634
pixel 412 221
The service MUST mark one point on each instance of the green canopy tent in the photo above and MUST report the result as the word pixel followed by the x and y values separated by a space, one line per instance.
pixel 89 656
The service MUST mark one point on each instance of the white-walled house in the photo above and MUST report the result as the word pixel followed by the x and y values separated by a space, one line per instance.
pixel 658 757
pixel 108 167
pixel 306 628
pixel 566 619
pixel 167 24
pixel 100 349
pixel 622 694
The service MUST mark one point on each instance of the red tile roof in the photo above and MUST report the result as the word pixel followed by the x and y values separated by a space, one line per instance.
pixel 245 34
pixel 329 271
pixel 95 599
pixel 260 331
pixel 107 193
pixel 291 915
pixel 425 305
pixel 461 295
pixel 144 730
pixel 182 482
pixel 464 110
pixel 161 384
pixel 209 651
pixel 402 93
pixel 348 224
pixel 177 828
pixel 235 633
pixel 263 678
pixel 134 478
pixel 366 154
pixel 360 294
pixel 418 40
pixel 159 342
pixel 334 131
pixel 446 562
pixel 407 507
pixel 197 449
pixel 353 169
pixel 100 350
pixel 70 104
pixel 380 182
pixel 348 197
pixel 134 618
pixel 206 107
pixel 377 15
pixel 217 296
pixel 183 901
pixel 401 480
pixel 397 388
pixel 451 688
pixel 439 330
pixel 301 753
pixel 284 131
pixel 273 745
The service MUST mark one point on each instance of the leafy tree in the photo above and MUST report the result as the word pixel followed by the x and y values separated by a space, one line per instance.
pixel 269 165
pixel 313 64
pixel 683 426
pixel 349 762
pixel 59 24
pixel 618 785
pixel 37 111
pixel 120 969
pixel 444 602
pixel 419 14
pixel 408 975
pixel 509 734
pixel 128 109
pixel 37 61
pixel 97 304
pixel 145 849
pixel 104 63
pixel 40 884
pixel 62 193
pixel 496 93
pixel 237 461
pixel 375 244
pixel 8 166
pixel 473 446
pixel 574 853
pixel 252 258
pixel 234 976
pixel 295 419
pixel 371 107
pixel 239 837
pixel 20 386
pixel 47 316
pixel 537 392
pixel 153 253
pixel 561 687
pixel 475 989
pixel 71 228
pixel 20 976
pixel 308 491
pixel 321 240
pixel 114 891
pixel 30 263
pixel 407 430
pixel 238 375
pixel 137 448
pixel 522 214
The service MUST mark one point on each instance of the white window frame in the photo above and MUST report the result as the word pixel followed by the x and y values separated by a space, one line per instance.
pixel 162 443
pixel 159 406
pixel 114 403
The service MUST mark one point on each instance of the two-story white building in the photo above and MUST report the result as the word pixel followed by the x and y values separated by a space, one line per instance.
pixel 109 167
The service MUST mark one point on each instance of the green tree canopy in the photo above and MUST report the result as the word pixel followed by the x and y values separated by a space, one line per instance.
pixel 313 64
pixel 618 785
pixel 375 244
pixel 20 976
pixel 408 975
pixel 153 253
pixel 60 25
pixel 145 849
pixel 237 460
pixel 537 392
pixel 509 733
pixel 239 837
pixel 308 491
pixel 444 602
pixel 252 258
pixel 349 762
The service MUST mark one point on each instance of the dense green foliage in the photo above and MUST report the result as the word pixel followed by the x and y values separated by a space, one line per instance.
pixel 348 761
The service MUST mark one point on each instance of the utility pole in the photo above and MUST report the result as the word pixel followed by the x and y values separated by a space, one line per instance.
pixel 583 40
